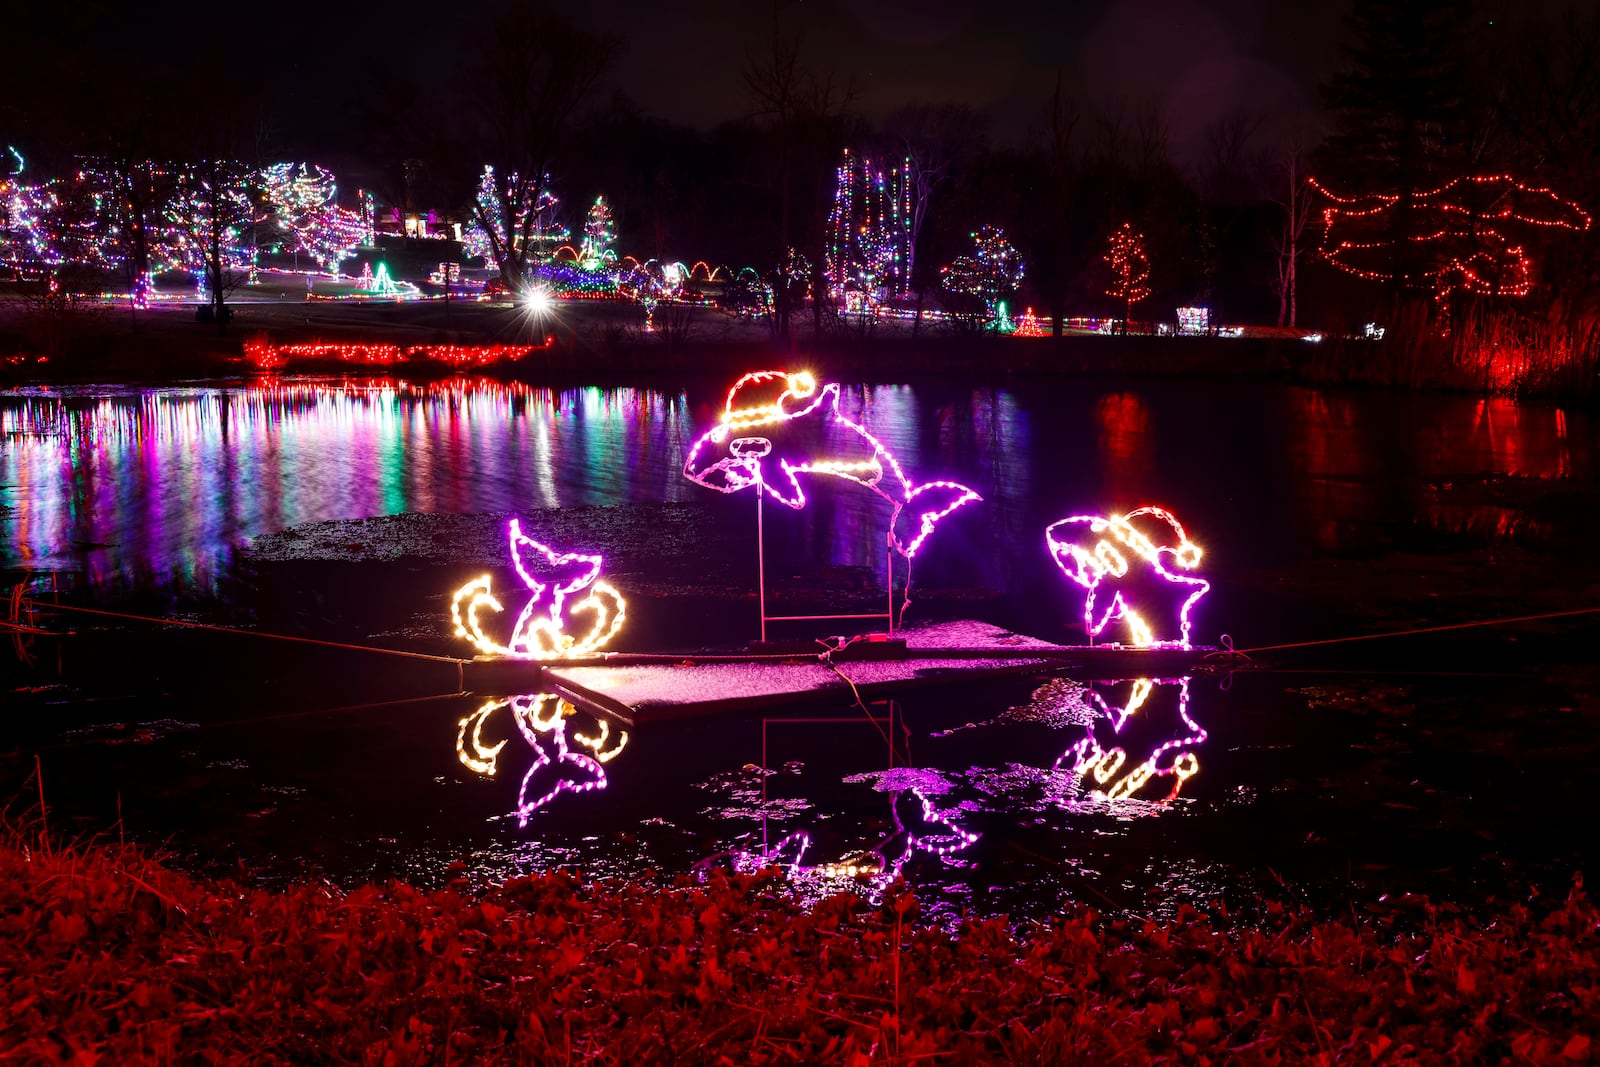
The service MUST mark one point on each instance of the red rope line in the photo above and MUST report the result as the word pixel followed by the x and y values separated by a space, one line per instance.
pixel 1424 630
pixel 253 633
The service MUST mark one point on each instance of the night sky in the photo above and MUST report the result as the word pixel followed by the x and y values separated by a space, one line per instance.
pixel 1201 60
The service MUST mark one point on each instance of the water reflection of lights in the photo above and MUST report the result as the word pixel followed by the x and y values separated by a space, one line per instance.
pixel 544 721
pixel 919 826
pixel 1137 735
pixel 145 486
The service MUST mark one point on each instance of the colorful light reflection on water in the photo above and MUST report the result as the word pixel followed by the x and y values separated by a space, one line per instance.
pixel 138 488
pixel 158 485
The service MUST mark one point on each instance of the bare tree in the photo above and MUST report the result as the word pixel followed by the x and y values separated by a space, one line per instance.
pixel 937 139
pixel 1053 267
pixel 805 110
pixel 536 69
pixel 1296 204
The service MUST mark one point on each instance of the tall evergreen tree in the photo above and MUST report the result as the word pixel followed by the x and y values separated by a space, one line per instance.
pixel 1398 110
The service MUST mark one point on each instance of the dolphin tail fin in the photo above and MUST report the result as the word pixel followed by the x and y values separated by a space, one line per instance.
pixel 924 506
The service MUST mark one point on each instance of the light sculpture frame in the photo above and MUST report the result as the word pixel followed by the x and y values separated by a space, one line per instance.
pixel 738 453
pixel 562 584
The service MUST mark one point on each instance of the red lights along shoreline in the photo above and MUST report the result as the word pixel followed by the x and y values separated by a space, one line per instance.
pixel 265 355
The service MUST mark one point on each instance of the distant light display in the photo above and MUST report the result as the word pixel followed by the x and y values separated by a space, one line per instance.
pixel 150 217
pixel 541 629
pixel 539 215
pixel 302 198
pixel 749 446
pixel 1463 237
pixel 1130 268
pixel 265 355
pixel 1029 325
pixel 1194 320
pixel 868 248
pixel 599 234
pixel 991 270
pixel 1115 559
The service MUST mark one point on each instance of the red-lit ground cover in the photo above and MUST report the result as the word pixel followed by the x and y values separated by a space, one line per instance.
pixel 106 957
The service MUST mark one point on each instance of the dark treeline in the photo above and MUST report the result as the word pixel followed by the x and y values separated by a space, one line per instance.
pixel 1427 93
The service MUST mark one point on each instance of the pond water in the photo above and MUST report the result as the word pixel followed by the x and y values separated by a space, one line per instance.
pixel 346 511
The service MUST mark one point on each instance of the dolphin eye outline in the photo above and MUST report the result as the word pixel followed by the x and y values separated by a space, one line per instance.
pixel 750 447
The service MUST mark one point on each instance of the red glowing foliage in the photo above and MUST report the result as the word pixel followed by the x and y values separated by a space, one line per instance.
pixel 265 355
pixel 1462 226
pixel 110 958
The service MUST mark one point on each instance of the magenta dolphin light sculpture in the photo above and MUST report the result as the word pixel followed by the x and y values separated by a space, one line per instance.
pixel 778 429
pixel 1133 568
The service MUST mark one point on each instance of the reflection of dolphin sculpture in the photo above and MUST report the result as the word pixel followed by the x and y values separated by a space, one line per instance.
pixel 542 719
pixel 918 826
pixel 1140 724
pixel 1116 557
pixel 777 428
pixel 556 769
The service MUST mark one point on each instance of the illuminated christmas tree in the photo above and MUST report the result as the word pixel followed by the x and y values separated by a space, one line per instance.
pixel 1130 269
pixel 869 231
pixel 1467 239
pixel 301 200
pixel 993 269
pixel 599 234
pixel 537 217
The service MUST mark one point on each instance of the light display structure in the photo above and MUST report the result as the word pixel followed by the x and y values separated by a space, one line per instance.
pixel 1130 269
pixel 868 246
pixel 565 590
pixel 1463 239
pixel 991 270
pixel 599 234
pixel 761 443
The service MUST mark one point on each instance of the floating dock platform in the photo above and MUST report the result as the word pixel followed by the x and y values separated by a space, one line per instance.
pixel 638 690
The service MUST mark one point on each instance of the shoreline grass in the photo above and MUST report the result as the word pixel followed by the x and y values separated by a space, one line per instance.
pixel 110 956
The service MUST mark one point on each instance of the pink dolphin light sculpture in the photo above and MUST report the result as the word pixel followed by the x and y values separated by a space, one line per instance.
pixel 1111 555
pixel 761 441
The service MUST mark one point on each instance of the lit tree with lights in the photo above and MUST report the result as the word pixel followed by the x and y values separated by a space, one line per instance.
pixel 301 200
pixel 599 234
pixel 209 214
pixel 991 270
pixel 1130 269
pixel 869 239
